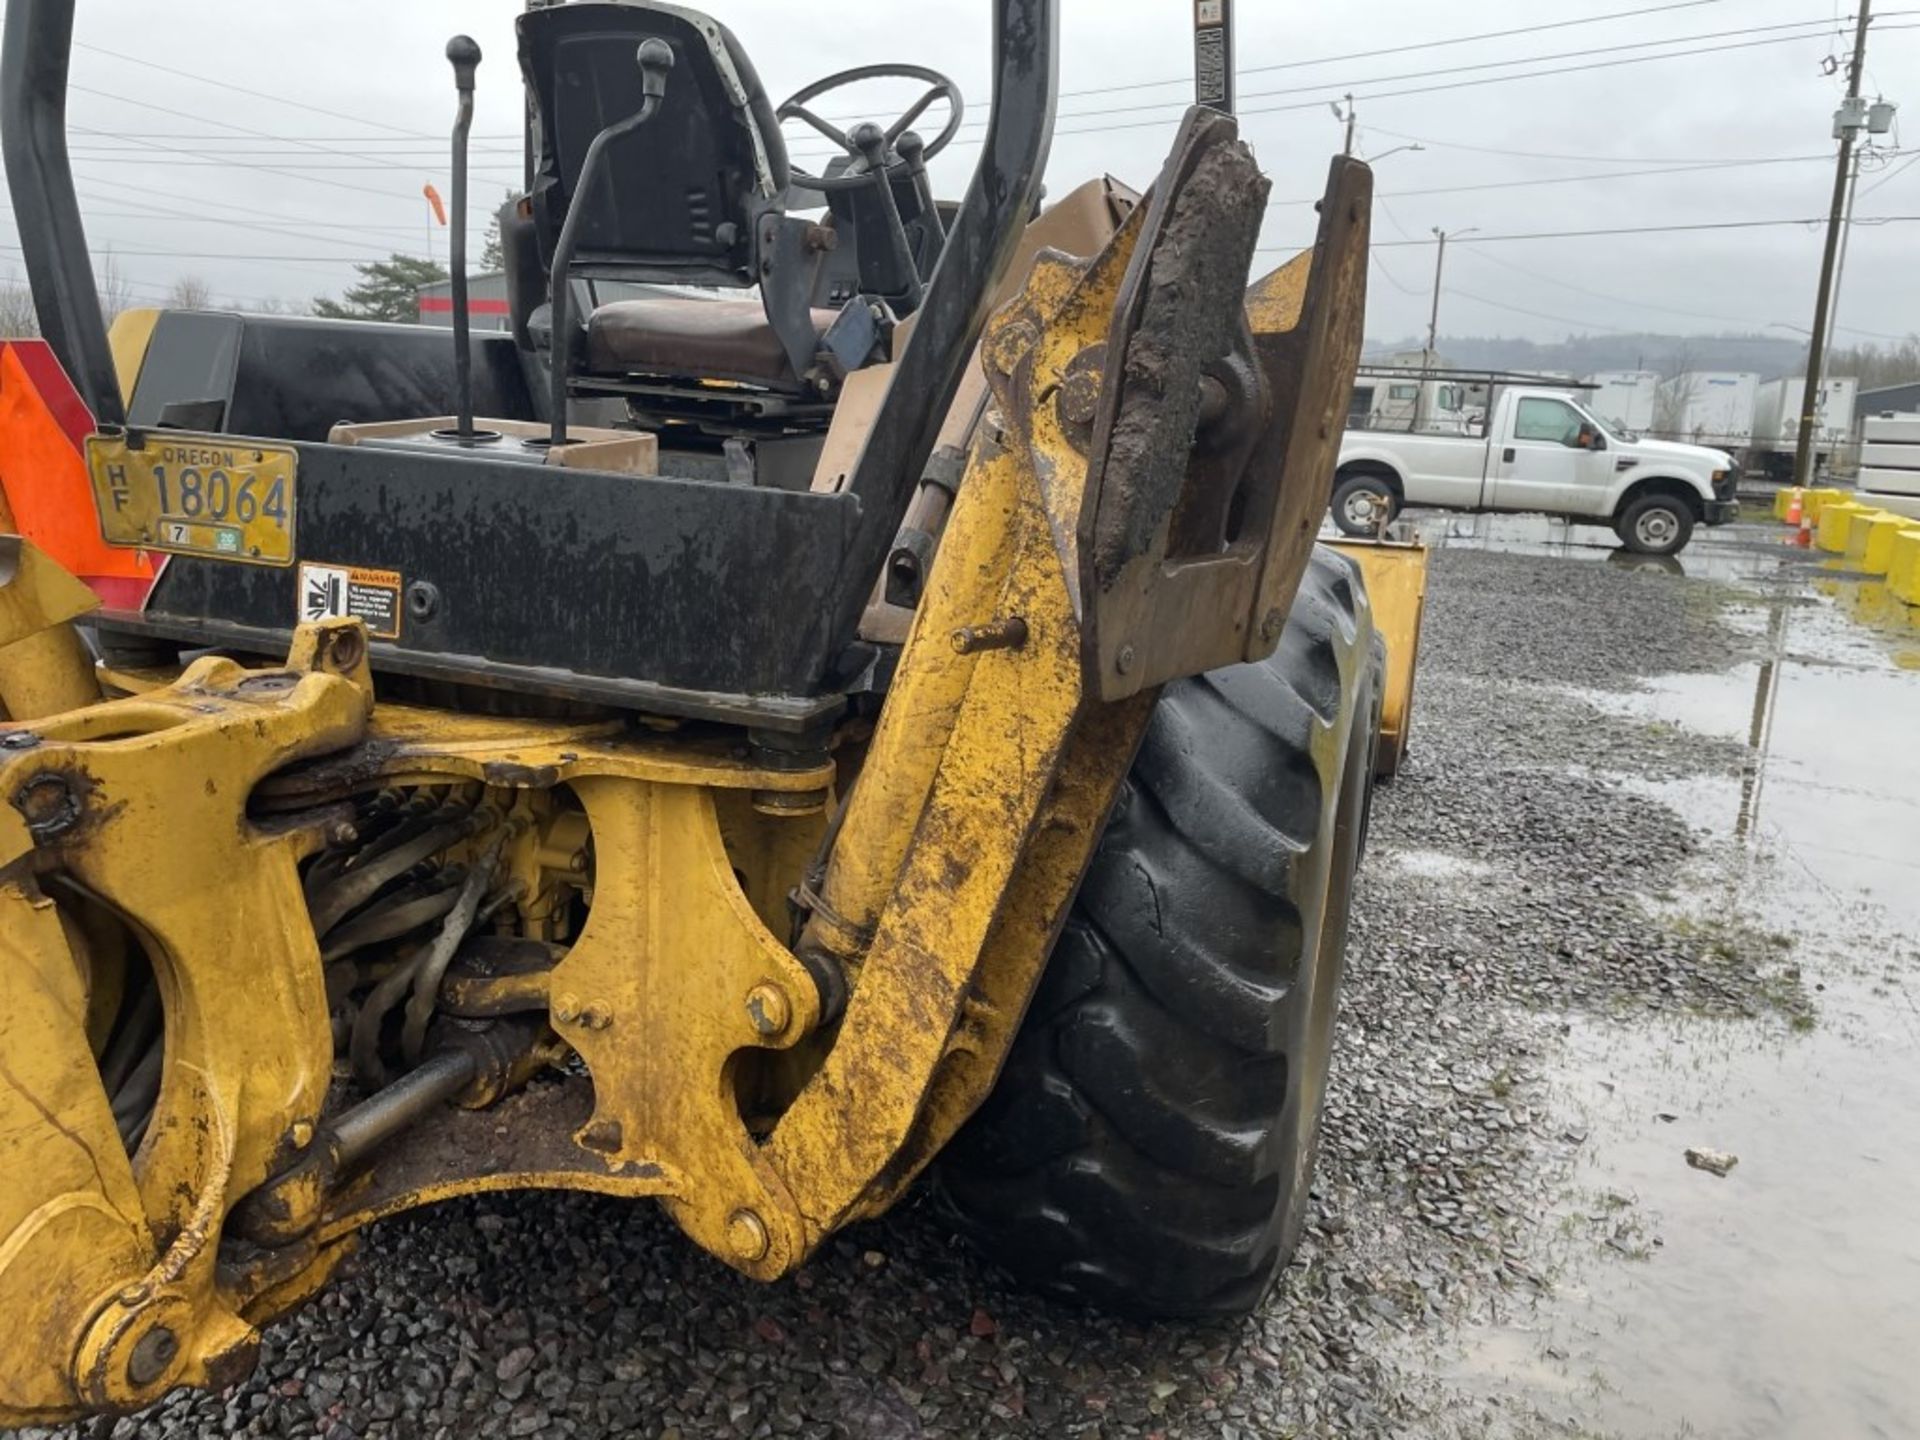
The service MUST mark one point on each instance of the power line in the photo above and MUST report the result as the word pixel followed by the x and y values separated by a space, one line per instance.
pixel 200 78
pixel 1810 30
pixel 1617 230
pixel 1587 179
pixel 1315 104
pixel 1892 174
pixel 1535 314
pixel 269 170
pixel 1800 25
pixel 1433 144
pixel 1636 302
pixel 1404 49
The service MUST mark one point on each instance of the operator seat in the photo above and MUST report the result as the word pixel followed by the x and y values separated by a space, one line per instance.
pixel 695 198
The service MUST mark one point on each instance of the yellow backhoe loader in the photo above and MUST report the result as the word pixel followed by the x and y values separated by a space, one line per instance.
pixel 866 703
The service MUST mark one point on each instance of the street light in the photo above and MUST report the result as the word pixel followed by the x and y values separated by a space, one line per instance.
pixel 1376 159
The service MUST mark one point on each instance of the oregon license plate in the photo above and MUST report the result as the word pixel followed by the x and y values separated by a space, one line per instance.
pixel 195 495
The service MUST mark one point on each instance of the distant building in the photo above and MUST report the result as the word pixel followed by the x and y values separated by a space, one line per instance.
pixel 1899 399
pixel 487 298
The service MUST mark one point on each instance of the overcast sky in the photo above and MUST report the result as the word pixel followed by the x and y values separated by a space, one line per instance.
pixel 212 165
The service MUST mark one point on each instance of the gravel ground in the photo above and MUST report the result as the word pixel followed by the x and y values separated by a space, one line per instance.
pixel 1507 886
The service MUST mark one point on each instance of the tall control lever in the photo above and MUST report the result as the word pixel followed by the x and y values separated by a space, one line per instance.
pixel 655 58
pixel 464 54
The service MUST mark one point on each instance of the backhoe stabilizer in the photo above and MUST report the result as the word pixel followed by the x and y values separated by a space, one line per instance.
pixel 1139 506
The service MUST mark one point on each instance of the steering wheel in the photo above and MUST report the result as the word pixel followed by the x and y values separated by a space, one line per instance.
pixel 868 145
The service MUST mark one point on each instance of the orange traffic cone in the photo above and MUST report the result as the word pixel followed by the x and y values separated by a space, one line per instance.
pixel 1797 506
pixel 1803 537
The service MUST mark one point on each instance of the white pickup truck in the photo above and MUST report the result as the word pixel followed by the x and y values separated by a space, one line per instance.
pixel 1541 453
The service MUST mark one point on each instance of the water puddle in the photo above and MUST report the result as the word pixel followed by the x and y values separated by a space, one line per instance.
pixel 1737 554
pixel 1783 1299
pixel 1439 865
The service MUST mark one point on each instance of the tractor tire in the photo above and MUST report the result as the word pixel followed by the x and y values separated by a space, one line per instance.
pixel 1150 1145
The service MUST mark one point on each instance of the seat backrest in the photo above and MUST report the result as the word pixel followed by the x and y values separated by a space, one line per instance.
pixel 681 198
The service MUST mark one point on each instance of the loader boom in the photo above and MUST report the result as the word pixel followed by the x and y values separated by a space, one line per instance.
pixel 324 926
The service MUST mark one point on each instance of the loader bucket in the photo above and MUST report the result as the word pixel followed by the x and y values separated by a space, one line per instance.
pixel 1396 575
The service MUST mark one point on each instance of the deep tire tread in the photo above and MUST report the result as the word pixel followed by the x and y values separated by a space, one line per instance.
pixel 1139 1150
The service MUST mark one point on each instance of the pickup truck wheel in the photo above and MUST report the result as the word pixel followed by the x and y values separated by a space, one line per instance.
pixel 1656 525
pixel 1359 501
pixel 1150 1144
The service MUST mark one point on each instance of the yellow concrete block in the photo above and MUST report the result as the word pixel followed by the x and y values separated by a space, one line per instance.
pixel 1876 548
pixel 1903 565
pixel 1818 500
pixel 1836 521
pixel 1782 501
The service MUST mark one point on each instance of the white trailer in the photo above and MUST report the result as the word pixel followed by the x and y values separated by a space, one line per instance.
pixel 1628 398
pixel 1708 407
pixel 1776 422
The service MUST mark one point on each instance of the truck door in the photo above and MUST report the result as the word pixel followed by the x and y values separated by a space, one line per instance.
pixel 1553 460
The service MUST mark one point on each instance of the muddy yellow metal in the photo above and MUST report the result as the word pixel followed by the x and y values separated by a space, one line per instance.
pixel 690 1049
pixel 1396 576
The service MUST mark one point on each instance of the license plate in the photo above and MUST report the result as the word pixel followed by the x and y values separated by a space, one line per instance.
pixel 195 495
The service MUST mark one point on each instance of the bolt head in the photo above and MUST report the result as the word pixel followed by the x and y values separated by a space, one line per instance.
pixel 747 1234
pixel 301 1134
pixel 769 1010
pixel 1124 661
pixel 567 1009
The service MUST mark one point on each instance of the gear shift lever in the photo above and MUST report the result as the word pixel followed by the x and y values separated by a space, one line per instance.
pixel 464 55
pixel 655 58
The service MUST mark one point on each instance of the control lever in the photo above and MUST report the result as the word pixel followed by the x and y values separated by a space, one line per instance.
pixel 871 141
pixel 464 55
pixel 655 58
pixel 913 150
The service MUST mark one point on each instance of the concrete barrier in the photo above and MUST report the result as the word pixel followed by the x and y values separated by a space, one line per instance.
pixel 1876 542
pixel 1903 565
pixel 1836 525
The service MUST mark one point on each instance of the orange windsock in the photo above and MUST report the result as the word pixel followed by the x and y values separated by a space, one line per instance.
pixel 433 199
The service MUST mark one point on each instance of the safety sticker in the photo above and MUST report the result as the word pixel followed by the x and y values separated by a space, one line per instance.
pixel 348 592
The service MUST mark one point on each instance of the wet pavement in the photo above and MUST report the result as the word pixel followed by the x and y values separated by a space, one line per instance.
pixel 1783 1299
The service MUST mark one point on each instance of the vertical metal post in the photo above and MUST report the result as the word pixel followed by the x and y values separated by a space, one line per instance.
pixel 34 54
pixel 1433 321
pixel 1213 55
pixel 1822 309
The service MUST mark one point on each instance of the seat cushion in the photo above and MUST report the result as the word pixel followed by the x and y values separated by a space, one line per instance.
pixel 669 335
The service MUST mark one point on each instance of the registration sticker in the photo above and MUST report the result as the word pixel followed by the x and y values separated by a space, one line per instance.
pixel 352 592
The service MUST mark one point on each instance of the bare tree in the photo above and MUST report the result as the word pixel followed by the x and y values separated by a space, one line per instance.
pixel 189 292
pixel 116 291
pixel 19 320
pixel 1678 389
pixel 1876 365
pixel 275 305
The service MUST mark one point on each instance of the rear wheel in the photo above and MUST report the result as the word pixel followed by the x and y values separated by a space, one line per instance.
pixel 1363 502
pixel 1656 525
pixel 1151 1143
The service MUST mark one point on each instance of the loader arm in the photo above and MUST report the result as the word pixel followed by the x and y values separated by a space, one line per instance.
pixel 399 953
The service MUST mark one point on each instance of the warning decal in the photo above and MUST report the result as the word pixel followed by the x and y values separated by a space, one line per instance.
pixel 343 592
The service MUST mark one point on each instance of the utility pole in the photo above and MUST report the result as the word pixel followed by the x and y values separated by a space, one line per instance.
pixel 1351 116
pixel 1440 270
pixel 1849 123
pixel 1840 266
